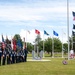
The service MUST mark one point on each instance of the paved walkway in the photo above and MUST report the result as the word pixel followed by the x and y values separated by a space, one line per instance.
pixel 38 60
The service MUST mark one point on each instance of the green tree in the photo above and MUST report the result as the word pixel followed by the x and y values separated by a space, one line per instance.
pixel 17 36
pixel 57 45
pixel 48 45
pixel 65 46
pixel 29 47
pixel 41 45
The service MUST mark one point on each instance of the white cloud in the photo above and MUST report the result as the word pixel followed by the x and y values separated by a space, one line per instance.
pixel 42 13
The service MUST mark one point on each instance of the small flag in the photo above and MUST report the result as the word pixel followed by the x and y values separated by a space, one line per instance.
pixel 19 43
pixel 24 39
pixel 24 44
pixel 37 31
pixel 55 33
pixel 28 31
pixel 73 33
pixel 3 43
pixel 11 43
pixel 73 15
pixel 45 33
pixel 73 26
pixel 3 39
pixel 14 45
pixel 7 40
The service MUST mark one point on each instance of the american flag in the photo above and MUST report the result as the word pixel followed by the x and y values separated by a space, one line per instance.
pixel 73 15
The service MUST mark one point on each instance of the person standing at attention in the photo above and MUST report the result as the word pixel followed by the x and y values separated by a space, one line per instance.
pixel 25 56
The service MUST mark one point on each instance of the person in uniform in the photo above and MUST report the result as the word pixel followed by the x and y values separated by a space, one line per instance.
pixel 0 53
pixel 13 56
pixel 26 52
pixel 17 57
pixel 7 57
pixel 4 57
pixel 22 56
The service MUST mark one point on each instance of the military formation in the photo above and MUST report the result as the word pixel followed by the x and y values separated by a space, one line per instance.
pixel 10 56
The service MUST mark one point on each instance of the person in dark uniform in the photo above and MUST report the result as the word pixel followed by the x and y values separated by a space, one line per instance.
pixel 4 56
pixel 7 57
pixel 13 56
pixel 0 53
pixel 17 57
pixel 22 55
pixel 25 57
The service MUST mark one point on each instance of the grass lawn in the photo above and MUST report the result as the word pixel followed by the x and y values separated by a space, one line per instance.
pixel 53 67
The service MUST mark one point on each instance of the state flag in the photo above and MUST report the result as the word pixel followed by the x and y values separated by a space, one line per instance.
pixel 73 26
pixel 55 33
pixel 73 15
pixel 45 33
pixel 37 31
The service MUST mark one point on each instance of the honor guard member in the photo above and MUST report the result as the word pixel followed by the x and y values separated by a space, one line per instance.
pixel 17 57
pixel 25 57
pixel 22 56
pixel 13 56
pixel 0 53
pixel 8 53
pixel 8 56
pixel 4 57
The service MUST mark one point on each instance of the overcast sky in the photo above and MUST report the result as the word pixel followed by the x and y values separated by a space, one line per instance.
pixel 18 16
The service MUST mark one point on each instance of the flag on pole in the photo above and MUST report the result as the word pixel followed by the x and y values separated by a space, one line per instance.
pixel 37 31
pixel 73 26
pixel 14 45
pixel 73 15
pixel 7 40
pixel 73 30
pixel 3 39
pixel 3 43
pixel 11 43
pixel 45 33
pixel 19 43
pixel 24 44
pixel 55 33
pixel 73 33
pixel 28 31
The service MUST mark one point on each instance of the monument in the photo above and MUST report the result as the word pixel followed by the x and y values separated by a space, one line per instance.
pixel 36 53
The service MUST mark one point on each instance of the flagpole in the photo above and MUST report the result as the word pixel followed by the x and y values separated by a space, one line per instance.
pixel 53 47
pixel 62 43
pixel 24 43
pixel 11 42
pixel 43 45
pixel 68 25
pixel 72 39
pixel 26 36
